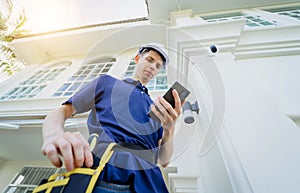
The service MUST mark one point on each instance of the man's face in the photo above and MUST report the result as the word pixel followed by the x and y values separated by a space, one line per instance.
pixel 148 66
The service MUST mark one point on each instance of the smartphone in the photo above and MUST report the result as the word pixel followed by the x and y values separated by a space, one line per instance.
pixel 168 96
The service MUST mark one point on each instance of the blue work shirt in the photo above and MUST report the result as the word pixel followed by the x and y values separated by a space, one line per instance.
pixel 119 111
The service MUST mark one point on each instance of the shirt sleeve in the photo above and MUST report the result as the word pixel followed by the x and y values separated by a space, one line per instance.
pixel 85 99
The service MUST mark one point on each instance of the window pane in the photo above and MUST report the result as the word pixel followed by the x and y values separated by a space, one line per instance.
pixel 33 85
pixel 161 87
pixel 252 24
pixel 161 80
pixel 109 65
pixel 86 73
pixel 74 87
pixel 105 70
pixel 251 20
pixel 64 87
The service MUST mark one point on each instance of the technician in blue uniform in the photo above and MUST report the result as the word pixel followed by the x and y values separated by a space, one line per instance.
pixel 118 113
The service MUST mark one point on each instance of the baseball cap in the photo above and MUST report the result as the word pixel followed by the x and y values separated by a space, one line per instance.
pixel 159 48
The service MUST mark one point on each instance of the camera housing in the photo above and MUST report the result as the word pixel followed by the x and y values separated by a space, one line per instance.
pixel 188 109
pixel 188 116
pixel 213 49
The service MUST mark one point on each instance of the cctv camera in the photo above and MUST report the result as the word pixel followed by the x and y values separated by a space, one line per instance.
pixel 188 116
pixel 188 109
pixel 213 49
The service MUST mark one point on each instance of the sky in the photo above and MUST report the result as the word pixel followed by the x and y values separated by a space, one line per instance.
pixel 50 15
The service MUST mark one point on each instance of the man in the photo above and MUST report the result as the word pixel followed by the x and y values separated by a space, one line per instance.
pixel 118 114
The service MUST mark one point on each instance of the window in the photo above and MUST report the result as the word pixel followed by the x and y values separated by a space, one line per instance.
pixel 293 12
pixel 157 83
pixel 130 69
pixel 86 73
pixel 29 177
pixel 33 85
pixel 251 20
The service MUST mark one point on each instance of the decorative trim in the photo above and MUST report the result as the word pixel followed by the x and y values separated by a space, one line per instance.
pixel 86 27
pixel 269 42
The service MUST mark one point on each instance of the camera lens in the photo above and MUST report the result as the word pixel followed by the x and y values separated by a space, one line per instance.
pixel 213 48
pixel 189 119
pixel 188 116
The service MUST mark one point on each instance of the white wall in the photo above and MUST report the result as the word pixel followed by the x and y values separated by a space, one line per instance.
pixel 266 141
pixel 279 78
pixel 209 90
pixel 259 94
pixel 196 151
pixel 2 76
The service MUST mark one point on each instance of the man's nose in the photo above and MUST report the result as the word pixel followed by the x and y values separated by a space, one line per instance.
pixel 152 65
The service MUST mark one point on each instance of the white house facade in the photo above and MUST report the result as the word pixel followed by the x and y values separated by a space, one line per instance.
pixel 246 137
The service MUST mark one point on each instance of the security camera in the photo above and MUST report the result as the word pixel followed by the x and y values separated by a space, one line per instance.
pixel 188 116
pixel 188 109
pixel 213 49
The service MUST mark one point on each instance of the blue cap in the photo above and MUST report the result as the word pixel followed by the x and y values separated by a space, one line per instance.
pixel 158 48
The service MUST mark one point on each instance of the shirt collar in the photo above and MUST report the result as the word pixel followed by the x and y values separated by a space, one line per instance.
pixel 136 83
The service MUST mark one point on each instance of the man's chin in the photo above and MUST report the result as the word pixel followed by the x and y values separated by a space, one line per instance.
pixel 148 76
pixel 147 79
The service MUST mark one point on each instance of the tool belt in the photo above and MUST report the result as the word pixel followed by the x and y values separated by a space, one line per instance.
pixel 83 180
pixel 79 180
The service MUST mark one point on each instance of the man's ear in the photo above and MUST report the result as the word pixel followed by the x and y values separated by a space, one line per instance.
pixel 136 58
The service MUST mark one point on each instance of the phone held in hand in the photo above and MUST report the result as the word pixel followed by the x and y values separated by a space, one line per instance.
pixel 168 96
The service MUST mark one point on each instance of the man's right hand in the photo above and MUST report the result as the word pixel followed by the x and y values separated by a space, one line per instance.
pixel 72 147
pixel 60 146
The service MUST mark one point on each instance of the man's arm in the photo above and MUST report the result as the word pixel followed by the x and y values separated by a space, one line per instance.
pixel 168 119
pixel 56 142
pixel 165 149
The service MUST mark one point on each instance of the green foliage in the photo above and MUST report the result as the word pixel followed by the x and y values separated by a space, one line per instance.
pixel 10 29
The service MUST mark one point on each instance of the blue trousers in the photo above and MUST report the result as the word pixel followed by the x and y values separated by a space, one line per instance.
pixel 104 187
